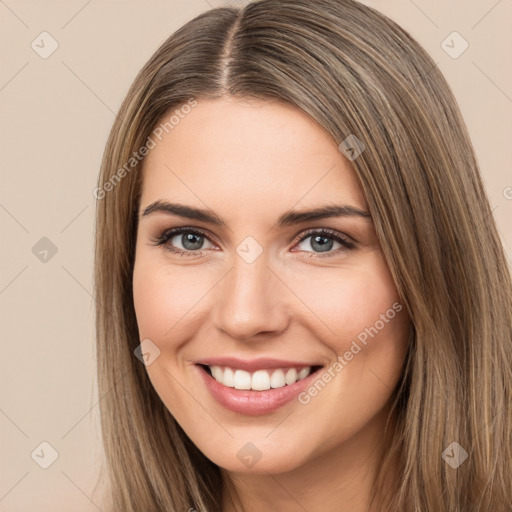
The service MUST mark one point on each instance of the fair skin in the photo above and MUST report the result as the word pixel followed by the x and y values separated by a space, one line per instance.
pixel 249 162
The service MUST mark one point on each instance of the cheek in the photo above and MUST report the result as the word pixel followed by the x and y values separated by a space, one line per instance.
pixel 163 296
pixel 150 299
pixel 350 300
pixel 368 333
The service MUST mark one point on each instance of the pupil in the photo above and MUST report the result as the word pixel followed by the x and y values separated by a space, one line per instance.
pixel 322 246
pixel 188 242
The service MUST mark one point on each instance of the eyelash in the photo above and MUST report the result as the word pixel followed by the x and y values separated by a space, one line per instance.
pixel 163 238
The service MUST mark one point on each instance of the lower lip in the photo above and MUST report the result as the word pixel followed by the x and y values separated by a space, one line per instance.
pixel 254 403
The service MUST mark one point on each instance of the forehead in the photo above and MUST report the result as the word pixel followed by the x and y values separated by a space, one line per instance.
pixel 246 155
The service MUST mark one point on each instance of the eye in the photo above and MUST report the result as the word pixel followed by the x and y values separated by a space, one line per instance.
pixel 192 241
pixel 323 241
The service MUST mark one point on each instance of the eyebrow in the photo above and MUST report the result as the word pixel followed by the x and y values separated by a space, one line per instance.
pixel 288 218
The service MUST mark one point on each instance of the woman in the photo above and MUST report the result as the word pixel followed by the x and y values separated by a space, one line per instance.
pixel 303 301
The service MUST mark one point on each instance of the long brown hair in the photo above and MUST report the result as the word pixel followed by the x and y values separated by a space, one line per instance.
pixel 356 73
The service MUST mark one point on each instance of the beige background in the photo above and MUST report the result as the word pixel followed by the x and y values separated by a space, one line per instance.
pixel 56 114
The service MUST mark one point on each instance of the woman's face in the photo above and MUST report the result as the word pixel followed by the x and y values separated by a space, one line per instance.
pixel 260 293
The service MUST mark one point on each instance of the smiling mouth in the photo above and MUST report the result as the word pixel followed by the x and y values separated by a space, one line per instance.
pixel 259 380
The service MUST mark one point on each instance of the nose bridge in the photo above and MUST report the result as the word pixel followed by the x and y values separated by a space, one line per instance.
pixel 247 301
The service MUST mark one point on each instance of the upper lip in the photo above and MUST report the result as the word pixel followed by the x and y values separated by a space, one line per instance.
pixel 251 365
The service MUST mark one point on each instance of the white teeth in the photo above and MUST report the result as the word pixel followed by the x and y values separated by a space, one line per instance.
pixel 277 379
pixel 291 376
pixel 242 380
pixel 228 378
pixel 217 373
pixel 260 380
pixel 304 373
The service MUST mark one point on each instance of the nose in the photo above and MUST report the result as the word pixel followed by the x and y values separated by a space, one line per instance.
pixel 250 301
